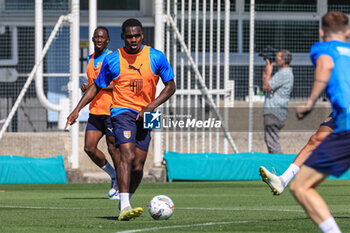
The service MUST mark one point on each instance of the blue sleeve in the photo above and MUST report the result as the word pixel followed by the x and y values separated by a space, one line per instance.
pixel 160 65
pixel 88 58
pixel 110 70
pixel 318 49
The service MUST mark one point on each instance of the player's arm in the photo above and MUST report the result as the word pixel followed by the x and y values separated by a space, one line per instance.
pixel 108 88
pixel 89 94
pixel 164 95
pixel 267 76
pixel 324 66
pixel 85 86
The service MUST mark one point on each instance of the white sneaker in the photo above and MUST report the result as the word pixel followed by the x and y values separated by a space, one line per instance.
pixel 276 184
pixel 115 196
pixel 114 188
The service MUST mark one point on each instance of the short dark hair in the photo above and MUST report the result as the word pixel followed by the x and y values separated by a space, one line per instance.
pixel 131 23
pixel 286 56
pixel 102 28
pixel 334 22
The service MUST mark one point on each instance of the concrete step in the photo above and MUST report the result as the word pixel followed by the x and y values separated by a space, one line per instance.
pixel 77 176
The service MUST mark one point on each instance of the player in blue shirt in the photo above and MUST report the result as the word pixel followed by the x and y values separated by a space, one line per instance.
pixel 332 157
pixel 134 71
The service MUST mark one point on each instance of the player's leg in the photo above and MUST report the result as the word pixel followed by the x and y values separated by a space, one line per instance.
pixel 124 126
pixel 95 129
pixel 331 157
pixel 313 142
pixel 92 137
pixel 143 139
pixel 278 183
pixel 114 153
pixel 303 189
pixel 127 155
pixel 137 169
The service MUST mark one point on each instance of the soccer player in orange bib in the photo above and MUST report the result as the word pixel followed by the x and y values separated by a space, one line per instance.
pixel 134 71
pixel 99 122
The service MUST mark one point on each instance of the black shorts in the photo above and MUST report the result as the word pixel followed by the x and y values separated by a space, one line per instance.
pixel 101 123
pixel 127 129
pixel 329 122
pixel 332 156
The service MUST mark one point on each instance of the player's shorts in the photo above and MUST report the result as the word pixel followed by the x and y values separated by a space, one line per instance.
pixel 127 129
pixel 332 156
pixel 101 123
pixel 329 122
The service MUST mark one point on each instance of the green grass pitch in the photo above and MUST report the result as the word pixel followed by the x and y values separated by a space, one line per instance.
pixel 240 206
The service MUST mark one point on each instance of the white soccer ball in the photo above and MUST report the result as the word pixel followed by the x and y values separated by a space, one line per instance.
pixel 161 207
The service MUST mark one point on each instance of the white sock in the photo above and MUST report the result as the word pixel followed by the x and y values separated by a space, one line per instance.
pixel 289 174
pixel 329 226
pixel 124 200
pixel 109 170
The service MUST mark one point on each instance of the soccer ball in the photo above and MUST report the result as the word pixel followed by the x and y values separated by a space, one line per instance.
pixel 161 207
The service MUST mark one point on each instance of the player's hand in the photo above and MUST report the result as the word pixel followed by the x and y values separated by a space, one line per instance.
pixel 140 114
pixel 71 119
pixel 84 87
pixel 302 111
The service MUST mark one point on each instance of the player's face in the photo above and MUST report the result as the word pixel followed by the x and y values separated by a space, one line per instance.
pixel 133 37
pixel 100 40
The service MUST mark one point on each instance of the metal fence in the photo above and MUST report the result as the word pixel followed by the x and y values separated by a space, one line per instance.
pixel 216 35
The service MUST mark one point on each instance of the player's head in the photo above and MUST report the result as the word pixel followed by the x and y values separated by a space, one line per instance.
pixel 100 39
pixel 334 23
pixel 132 35
pixel 283 58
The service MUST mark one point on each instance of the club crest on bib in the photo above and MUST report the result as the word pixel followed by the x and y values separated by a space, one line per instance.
pixel 136 85
pixel 127 134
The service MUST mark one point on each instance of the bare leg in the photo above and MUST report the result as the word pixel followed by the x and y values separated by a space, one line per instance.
pixel 313 142
pixel 92 137
pixel 278 183
pixel 137 169
pixel 113 151
pixel 127 155
pixel 303 189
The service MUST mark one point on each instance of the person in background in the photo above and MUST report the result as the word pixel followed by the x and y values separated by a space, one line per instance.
pixel 99 122
pixel 277 93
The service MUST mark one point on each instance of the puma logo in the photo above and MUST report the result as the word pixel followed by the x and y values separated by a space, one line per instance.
pixel 131 67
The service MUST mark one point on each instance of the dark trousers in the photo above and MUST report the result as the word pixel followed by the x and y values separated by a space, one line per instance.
pixel 272 127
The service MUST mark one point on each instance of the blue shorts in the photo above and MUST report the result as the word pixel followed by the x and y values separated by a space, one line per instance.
pixel 127 129
pixel 101 123
pixel 332 156
pixel 329 121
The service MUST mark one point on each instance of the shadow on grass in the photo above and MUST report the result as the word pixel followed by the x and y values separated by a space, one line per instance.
pixel 114 218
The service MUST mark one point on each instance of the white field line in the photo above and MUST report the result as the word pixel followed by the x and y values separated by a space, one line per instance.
pixel 186 226
pixel 242 209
